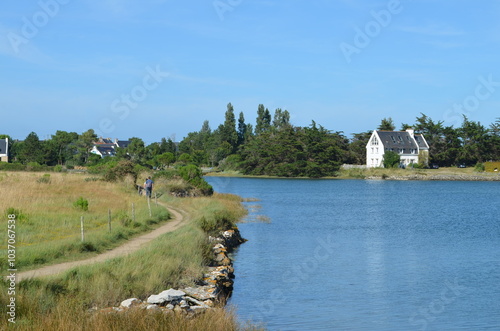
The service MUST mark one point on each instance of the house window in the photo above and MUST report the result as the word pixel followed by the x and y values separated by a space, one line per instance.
pixel 400 139
pixel 373 150
pixel 374 141
pixel 376 150
pixel 393 140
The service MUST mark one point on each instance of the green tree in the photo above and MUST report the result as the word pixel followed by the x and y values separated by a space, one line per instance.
pixel 228 130
pixel 167 146
pixel 281 119
pixel 494 132
pixel 83 146
pixel 476 143
pixel 387 124
pixel 357 147
pixel 165 160
pixel 31 150
pixel 61 143
pixel 242 129
pixel 263 122
pixel 185 158
pixel 391 159
pixel 136 150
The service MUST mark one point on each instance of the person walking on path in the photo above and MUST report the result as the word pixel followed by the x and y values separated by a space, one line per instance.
pixel 148 186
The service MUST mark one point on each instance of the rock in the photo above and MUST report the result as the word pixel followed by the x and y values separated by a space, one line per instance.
pixel 195 302
pixel 130 303
pixel 183 304
pixel 195 310
pixel 153 308
pixel 166 296
pixel 200 293
pixel 209 303
pixel 170 306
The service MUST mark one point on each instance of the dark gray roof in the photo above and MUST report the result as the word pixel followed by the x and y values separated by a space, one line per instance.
pixel 123 143
pixel 421 141
pixel 111 145
pixel 107 140
pixel 3 146
pixel 397 139
pixel 105 150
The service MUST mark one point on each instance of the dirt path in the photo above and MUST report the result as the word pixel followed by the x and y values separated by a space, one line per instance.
pixel 130 246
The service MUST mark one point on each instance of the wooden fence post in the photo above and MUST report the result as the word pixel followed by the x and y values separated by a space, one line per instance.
pixel 81 225
pixel 109 220
pixel 133 211
pixel 156 200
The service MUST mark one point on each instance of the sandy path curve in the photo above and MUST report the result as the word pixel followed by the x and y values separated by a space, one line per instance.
pixel 130 246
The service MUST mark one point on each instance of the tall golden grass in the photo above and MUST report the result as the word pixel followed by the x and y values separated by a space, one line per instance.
pixel 48 228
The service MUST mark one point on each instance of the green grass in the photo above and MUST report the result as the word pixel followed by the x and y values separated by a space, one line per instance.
pixel 48 226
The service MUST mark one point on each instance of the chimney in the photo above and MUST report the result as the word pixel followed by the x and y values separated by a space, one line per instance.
pixel 411 132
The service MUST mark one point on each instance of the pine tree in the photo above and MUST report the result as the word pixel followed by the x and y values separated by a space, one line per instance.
pixel 228 130
pixel 242 129
pixel 387 124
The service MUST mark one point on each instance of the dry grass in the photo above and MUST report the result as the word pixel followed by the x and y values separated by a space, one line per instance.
pixel 48 229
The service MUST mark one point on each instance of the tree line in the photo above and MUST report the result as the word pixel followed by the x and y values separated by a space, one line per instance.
pixel 274 146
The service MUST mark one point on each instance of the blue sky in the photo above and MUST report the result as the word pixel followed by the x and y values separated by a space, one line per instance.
pixel 159 68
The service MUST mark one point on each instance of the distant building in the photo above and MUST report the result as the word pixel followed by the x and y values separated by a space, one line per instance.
pixel 411 147
pixel 104 150
pixel 107 147
pixel 4 150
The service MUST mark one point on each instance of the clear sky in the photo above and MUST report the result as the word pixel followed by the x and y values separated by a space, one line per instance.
pixel 158 68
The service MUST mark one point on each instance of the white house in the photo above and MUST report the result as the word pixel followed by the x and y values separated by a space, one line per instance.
pixel 107 147
pixel 411 147
pixel 4 150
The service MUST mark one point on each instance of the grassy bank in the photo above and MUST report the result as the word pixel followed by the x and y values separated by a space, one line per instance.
pixel 382 173
pixel 175 259
pixel 48 221
pixel 451 172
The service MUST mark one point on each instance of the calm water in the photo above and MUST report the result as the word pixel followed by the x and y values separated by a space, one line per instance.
pixel 368 255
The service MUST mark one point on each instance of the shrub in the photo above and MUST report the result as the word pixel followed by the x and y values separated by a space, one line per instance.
pixel 121 170
pixel 391 159
pixel 44 179
pixel 82 204
pixel 34 166
pixel 12 166
pixel 58 168
pixel 20 216
pixel 479 167
pixel 216 222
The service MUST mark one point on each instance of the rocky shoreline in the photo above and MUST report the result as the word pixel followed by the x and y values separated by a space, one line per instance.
pixel 212 290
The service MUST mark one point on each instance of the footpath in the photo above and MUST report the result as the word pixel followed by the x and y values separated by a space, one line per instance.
pixel 130 246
